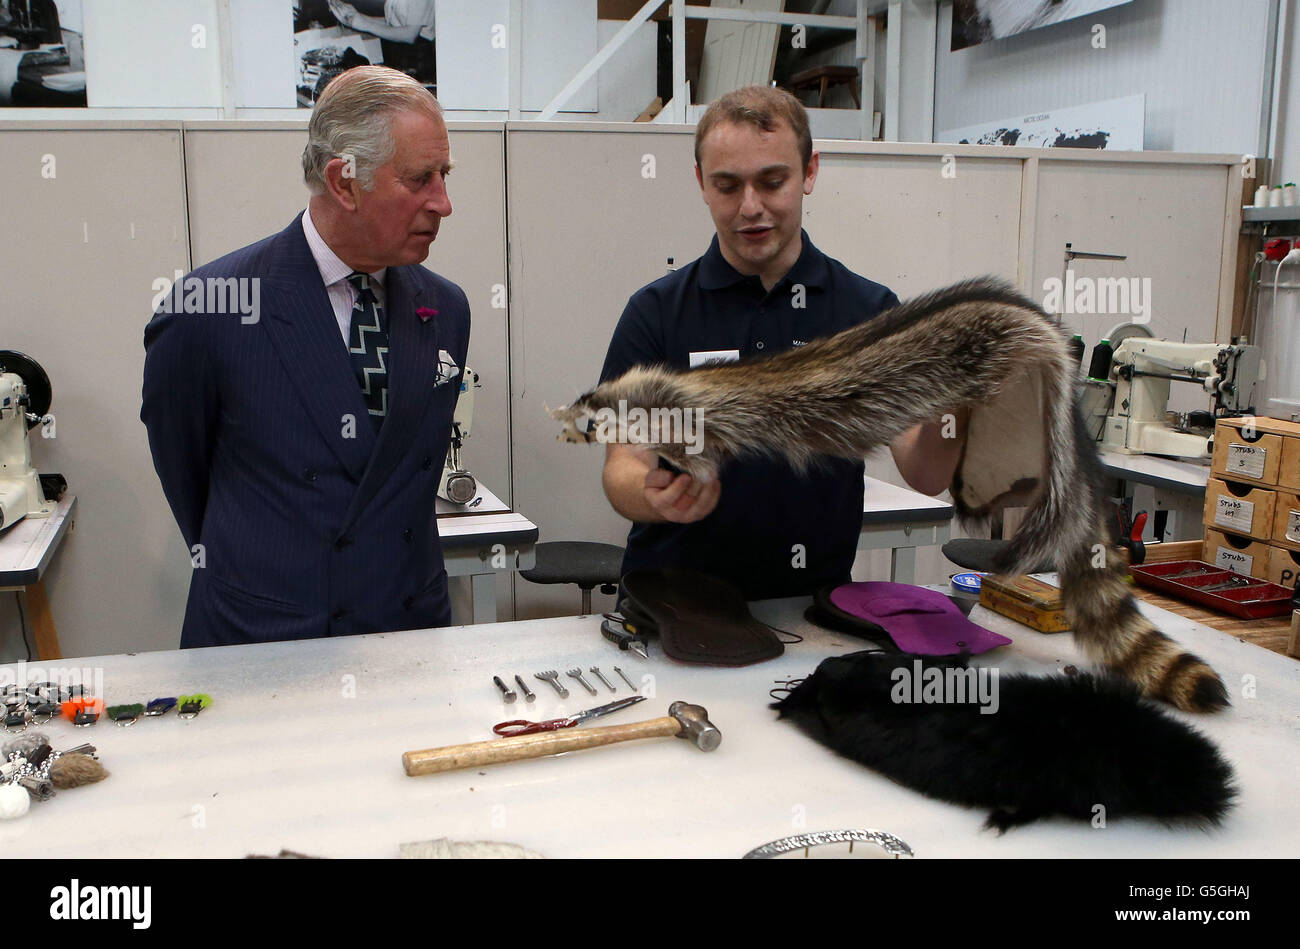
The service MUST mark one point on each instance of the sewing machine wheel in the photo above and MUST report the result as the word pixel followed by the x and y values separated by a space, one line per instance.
pixel 39 391
pixel 1122 331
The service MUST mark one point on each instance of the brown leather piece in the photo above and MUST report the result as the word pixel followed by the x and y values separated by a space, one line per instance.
pixel 699 618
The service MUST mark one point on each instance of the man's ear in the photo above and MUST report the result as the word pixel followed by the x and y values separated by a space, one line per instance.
pixel 810 174
pixel 340 182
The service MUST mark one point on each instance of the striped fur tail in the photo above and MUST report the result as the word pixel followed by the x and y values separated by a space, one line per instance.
pixel 1108 626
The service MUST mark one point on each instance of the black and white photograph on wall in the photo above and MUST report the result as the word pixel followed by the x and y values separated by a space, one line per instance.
pixel 1113 124
pixel 331 36
pixel 978 21
pixel 41 54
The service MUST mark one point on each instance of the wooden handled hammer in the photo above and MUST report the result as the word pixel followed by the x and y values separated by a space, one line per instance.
pixel 682 721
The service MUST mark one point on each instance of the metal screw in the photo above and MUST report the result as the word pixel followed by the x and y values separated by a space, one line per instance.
pixel 506 692
pixel 528 693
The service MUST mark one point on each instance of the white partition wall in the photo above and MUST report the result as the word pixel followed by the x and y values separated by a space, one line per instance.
pixel 92 218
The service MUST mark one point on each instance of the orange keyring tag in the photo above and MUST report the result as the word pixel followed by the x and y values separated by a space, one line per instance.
pixel 82 707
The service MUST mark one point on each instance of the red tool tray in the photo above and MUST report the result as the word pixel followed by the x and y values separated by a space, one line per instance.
pixel 1252 599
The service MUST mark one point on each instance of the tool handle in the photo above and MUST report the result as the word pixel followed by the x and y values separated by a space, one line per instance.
pixel 475 754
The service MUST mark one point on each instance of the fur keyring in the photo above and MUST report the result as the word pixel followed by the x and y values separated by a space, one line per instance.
pixel 1025 747
pixel 72 771
pixel 978 346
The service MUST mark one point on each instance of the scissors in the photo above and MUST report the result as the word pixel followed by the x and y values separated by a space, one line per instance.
pixel 521 727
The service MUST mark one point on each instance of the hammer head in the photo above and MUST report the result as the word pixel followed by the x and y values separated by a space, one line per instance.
pixel 696 726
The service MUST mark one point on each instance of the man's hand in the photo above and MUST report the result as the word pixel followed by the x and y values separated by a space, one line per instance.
pixel 680 499
pixel 643 492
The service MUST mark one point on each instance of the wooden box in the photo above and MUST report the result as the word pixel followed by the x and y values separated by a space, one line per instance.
pixel 1283 566
pixel 1239 508
pixel 1238 554
pixel 1026 600
pixel 1286 521
pixel 1288 476
pixel 1256 460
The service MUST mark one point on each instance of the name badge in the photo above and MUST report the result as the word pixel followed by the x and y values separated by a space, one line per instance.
pixel 714 356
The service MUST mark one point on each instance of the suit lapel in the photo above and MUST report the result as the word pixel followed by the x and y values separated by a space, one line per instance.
pixel 302 327
pixel 412 361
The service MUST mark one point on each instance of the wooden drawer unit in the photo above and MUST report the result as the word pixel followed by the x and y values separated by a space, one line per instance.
pixel 1239 508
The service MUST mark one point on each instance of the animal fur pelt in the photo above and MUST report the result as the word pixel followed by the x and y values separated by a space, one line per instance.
pixel 979 345
pixel 1054 746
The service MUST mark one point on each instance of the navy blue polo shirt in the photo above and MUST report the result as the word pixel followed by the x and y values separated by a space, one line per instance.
pixel 774 533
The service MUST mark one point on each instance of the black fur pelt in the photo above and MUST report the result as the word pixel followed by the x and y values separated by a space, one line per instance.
pixel 1055 746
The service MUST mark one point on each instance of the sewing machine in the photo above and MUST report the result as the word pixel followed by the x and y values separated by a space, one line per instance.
pixel 457 485
pixel 1141 371
pixel 24 400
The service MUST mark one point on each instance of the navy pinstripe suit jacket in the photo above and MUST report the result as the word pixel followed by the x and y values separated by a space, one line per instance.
pixel 310 524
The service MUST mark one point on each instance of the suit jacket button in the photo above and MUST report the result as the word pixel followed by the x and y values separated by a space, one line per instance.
pixel 342 543
pixel 427 463
pixel 309 474
pixel 339 614
pixel 406 534
pixel 407 603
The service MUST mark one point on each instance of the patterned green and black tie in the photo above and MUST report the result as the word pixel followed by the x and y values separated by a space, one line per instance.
pixel 368 347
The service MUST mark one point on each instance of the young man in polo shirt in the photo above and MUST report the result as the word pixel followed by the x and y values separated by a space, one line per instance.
pixel 762 287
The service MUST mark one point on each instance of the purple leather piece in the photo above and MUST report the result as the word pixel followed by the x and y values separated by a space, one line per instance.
pixel 919 621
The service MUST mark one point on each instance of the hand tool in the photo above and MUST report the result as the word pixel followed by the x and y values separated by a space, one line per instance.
pixel 626 679
pixel 528 693
pixel 619 631
pixel 553 677
pixel 521 727
pixel 577 674
pixel 506 692
pixel 1231 582
pixel 596 670
pixel 1200 571
pixel 690 722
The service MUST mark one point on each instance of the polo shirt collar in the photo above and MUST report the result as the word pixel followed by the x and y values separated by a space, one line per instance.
pixel 811 269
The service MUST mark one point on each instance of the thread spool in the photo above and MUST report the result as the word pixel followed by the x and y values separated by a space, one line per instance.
pixel 1261 196
pixel 1076 350
pixel 1099 367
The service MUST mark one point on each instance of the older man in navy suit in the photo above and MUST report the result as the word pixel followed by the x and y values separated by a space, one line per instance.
pixel 299 439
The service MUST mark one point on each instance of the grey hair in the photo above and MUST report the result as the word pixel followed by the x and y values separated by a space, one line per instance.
pixel 353 119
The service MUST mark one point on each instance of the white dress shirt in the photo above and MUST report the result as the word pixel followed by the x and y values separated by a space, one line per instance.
pixel 335 274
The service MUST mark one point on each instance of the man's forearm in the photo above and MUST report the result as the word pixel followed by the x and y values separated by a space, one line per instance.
pixel 927 454
pixel 624 483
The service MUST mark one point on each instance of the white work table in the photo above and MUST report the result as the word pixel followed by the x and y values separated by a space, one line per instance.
pixel 26 549
pixel 1182 477
pixel 1162 484
pixel 900 520
pixel 480 539
pixel 285 758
